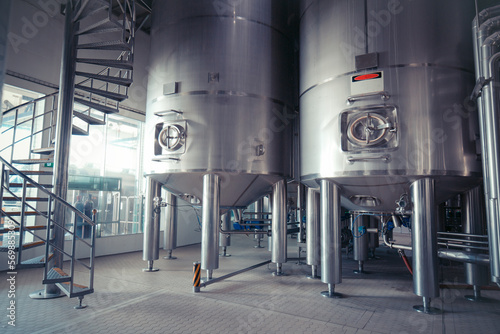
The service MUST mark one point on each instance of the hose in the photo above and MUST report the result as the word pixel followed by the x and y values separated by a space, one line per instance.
pixel 405 260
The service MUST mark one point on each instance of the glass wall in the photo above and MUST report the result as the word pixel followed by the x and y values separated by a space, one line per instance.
pixel 106 174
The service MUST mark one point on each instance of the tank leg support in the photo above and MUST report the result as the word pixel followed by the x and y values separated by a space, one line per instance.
pixel 331 244
pixel 360 269
pixel 278 225
pixel 331 292
pixel 424 242
pixel 426 307
pixel 169 255
pixel 150 267
pixel 476 297
pixel 314 273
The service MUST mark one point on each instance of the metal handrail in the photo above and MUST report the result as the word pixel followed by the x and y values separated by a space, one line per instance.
pixel 46 191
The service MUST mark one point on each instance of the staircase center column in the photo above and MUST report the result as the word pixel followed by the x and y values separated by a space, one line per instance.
pixel 62 144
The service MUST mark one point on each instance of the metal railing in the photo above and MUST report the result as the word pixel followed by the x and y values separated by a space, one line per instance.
pixel 52 227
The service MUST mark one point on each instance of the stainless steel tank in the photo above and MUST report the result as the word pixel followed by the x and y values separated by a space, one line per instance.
pixel 221 96
pixel 383 86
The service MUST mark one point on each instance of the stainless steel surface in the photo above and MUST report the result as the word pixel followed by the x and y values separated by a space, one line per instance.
pixel 468 258
pixel 225 239
pixel 373 238
pixel 151 248
pixel 396 246
pixel 486 56
pixel 331 246
pixel 231 75
pixel 210 223
pixel 473 218
pixel 313 235
pixel 424 239
pixel 279 218
pixel 170 236
pixel 374 148
pixel 360 248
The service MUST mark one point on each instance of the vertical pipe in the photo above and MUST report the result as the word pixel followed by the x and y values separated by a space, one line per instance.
pixel 151 249
pixel 259 207
pixel 279 215
pixel 361 240
pixel 472 223
pixel 424 243
pixel 225 239
pixel 331 245
pixel 313 236
pixel 210 223
pixel 170 236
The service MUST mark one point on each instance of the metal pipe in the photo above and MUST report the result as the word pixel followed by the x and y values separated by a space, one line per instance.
pixel 360 248
pixel 450 244
pixel 313 236
pixel 244 232
pixel 441 239
pixel 225 238
pixel 464 235
pixel 210 222
pixel 467 257
pixel 424 239
pixel 151 241
pixel 331 246
pixel 472 223
pixel 489 142
pixel 391 244
pixel 279 216
pixel 170 236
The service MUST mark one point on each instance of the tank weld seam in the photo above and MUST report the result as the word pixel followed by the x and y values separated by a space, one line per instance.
pixel 233 17
pixel 230 93
pixel 411 65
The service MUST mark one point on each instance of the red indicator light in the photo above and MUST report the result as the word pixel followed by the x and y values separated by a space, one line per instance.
pixel 367 76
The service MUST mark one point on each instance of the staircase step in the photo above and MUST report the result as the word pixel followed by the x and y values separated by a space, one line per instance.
pixel 102 26
pixel 106 45
pixel 78 289
pixel 110 95
pixel 28 199
pixel 43 150
pixel 96 106
pixel 126 65
pixel 34 172
pixel 88 119
pixel 33 244
pixel 16 229
pixel 36 262
pixel 26 213
pixel 106 78
pixel 25 246
pixel 88 11
pixel 29 185
pixel 32 161
pixel 78 131
pixel 56 275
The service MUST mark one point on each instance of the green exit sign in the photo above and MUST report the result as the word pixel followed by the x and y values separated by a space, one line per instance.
pixel 48 164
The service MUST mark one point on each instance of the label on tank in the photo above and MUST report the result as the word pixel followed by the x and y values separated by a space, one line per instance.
pixel 367 83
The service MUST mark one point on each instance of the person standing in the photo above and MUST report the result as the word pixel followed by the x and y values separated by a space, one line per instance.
pixel 89 207
pixel 79 220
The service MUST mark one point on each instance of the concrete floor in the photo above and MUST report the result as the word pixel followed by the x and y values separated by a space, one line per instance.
pixel 128 300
